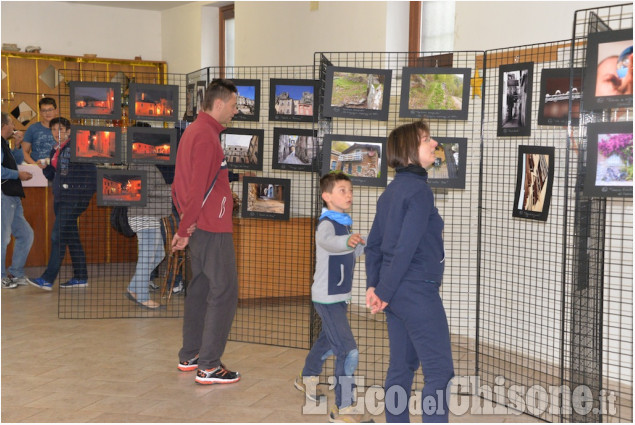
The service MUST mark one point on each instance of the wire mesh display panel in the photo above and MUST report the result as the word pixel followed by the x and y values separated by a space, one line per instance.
pixel 273 235
pixel 555 296
pixel 458 207
pixel 110 167
pixel 599 270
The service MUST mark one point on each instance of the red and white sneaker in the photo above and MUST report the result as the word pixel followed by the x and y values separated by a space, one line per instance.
pixel 219 375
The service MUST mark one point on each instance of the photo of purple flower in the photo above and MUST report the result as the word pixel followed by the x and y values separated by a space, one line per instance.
pixel 615 159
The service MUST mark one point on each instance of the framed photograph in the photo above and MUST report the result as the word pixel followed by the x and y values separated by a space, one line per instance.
pixel 115 187
pixel 514 102
pixel 357 93
pixel 95 100
pixel 448 170
pixel 292 100
pixel 148 145
pixel 266 198
pixel 201 86
pixel 243 148
pixel 438 93
pixel 248 101
pixel 360 157
pixel 534 181
pixel 609 54
pixel 97 145
pixel 190 98
pixel 294 149
pixel 554 96
pixel 154 102
pixel 609 160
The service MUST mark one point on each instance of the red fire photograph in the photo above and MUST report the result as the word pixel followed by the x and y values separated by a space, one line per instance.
pixel 121 188
pixel 95 144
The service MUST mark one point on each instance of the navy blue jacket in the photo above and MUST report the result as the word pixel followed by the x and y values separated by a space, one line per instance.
pixel 72 181
pixel 405 241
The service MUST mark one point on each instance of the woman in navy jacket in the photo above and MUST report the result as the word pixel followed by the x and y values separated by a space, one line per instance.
pixel 73 187
pixel 404 266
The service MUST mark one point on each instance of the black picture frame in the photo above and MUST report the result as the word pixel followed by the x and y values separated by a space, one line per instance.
pixel 96 144
pixel 341 104
pixel 126 188
pixel 153 102
pixel 90 100
pixel 201 87
pixel 601 48
pixel 248 100
pixel 151 145
pixel 553 108
pixel 243 148
pixel 295 149
pixel 190 100
pixel 435 93
pixel 449 173
pixel 292 100
pixel 514 102
pixel 369 171
pixel 534 182
pixel 607 164
pixel 264 197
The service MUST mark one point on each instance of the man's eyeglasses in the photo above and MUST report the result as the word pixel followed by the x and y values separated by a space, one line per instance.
pixel 47 110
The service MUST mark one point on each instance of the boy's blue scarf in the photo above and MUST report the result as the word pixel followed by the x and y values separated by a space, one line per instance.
pixel 338 217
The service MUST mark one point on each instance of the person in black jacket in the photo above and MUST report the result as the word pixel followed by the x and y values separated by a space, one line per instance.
pixel 73 188
pixel 13 221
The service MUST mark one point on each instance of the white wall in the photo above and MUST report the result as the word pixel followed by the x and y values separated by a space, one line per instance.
pixel 76 29
pixel 485 25
pixel 288 33
pixel 181 37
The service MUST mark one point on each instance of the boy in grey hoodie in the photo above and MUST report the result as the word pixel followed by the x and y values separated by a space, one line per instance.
pixel 336 250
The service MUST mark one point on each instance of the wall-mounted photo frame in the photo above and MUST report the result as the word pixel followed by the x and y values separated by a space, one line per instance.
pixel 448 170
pixel 607 58
pixel 96 145
pixel 514 101
pixel 151 145
pixel 190 99
pixel 534 181
pixel 154 102
pixel 201 87
pixel 360 93
pixel 609 160
pixel 437 93
pixel 292 100
pixel 266 198
pixel 95 100
pixel 248 100
pixel 554 96
pixel 359 157
pixel 243 148
pixel 294 149
pixel 115 187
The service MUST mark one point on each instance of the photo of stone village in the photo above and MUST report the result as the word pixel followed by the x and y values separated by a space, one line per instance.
pixel 246 100
pixel 240 148
pixel 294 100
pixel 296 149
pixel 356 159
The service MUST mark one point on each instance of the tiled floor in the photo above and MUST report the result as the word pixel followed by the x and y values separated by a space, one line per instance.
pixel 124 370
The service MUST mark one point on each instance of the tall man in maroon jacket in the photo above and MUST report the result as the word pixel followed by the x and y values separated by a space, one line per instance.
pixel 206 225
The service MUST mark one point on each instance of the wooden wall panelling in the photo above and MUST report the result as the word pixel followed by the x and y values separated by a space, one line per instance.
pixel 263 275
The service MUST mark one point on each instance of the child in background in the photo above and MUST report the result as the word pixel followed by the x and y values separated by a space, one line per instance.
pixel 336 250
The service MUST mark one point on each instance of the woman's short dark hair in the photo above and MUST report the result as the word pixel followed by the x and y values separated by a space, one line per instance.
pixel 218 89
pixel 403 143
pixel 61 121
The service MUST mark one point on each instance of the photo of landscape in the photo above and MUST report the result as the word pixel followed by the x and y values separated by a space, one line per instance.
pixel 436 92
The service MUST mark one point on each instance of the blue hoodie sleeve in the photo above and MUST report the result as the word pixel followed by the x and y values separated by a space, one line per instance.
pixel 413 228
pixel 8 174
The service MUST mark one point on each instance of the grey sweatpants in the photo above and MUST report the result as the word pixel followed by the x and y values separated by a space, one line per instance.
pixel 211 298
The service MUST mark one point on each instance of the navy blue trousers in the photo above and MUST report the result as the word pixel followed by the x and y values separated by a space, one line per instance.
pixel 335 338
pixel 418 335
